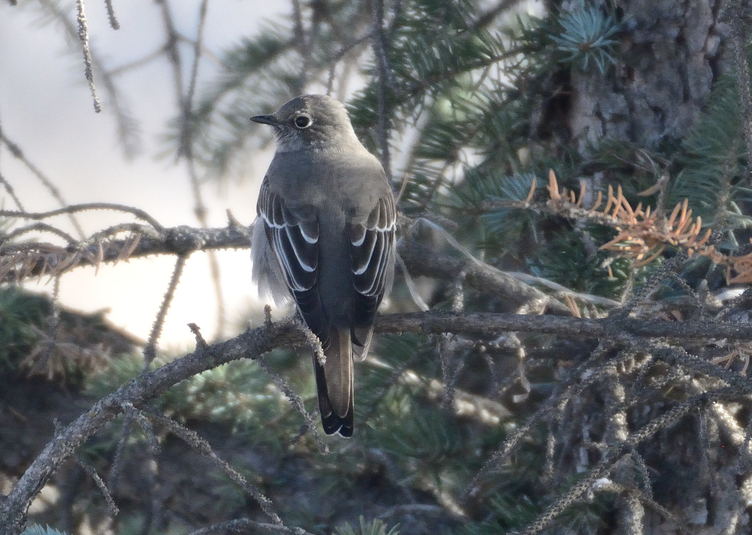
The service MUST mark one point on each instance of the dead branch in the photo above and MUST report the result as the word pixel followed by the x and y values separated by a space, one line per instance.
pixel 34 259
pixel 83 35
pixel 612 456
pixel 642 233
pixel 422 260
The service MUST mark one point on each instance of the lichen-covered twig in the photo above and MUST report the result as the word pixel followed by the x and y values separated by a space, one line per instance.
pixel 83 35
pixel 156 330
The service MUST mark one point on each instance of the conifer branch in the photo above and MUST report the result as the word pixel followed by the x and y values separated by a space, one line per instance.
pixel 83 35
pixel 643 234
pixel 19 261
pixel 254 343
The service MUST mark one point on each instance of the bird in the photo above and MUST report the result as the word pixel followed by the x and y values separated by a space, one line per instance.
pixel 324 235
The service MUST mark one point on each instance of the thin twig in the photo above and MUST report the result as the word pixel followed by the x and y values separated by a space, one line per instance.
pixel 126 126
pixel 11 193
pixel 16 151
pixel 200 444
pixel 83 35
pixel 302 45
pixel 114 24
pixel 297 402
pixel 200 342
pixel 136 63
pixel 5 183
pixel 38 227
pixel 101 485
pixel 380 51
pixel 113 476
pixel 185 148
pixel 197 48
pixel 156 329
pixel 75 208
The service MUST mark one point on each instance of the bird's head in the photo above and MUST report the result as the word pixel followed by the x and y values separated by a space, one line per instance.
pixel 310 122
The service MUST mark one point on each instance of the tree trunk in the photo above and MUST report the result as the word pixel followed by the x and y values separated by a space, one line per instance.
pixel 670 54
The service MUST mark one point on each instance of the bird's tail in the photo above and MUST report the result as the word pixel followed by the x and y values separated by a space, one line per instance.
pixel 334 383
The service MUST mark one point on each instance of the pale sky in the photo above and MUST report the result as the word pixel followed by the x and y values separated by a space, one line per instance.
pixel 45 107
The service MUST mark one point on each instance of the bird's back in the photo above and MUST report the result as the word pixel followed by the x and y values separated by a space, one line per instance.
pixel 342 188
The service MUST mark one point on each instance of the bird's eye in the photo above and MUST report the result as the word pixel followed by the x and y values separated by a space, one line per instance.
pixel 302 121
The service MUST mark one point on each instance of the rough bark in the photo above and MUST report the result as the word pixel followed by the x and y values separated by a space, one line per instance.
pixel 670 54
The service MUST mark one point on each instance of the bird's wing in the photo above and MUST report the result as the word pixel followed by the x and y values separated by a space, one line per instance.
pixel 294 237
pixel 372 253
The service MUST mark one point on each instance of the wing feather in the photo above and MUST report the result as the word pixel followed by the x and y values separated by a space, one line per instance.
pixel 294 236
pixel 372 252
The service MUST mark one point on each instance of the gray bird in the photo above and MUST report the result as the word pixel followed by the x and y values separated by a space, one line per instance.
pixel 325 236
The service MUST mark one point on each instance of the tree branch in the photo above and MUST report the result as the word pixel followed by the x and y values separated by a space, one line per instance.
pixel 256 342
pixel 422 260
pixel 33 259
pixel 137 392
pixel 491 324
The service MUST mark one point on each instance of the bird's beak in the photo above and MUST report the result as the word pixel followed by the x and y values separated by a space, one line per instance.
pixel 264 119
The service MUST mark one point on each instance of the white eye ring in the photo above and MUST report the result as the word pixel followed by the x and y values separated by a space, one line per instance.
pixel 302 121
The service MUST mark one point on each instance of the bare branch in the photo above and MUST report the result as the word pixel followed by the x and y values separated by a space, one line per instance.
pixel 32 259
pixel 114 24
pixel 464 404
pixel 198 443
pixel 607 463
pixel 18 153
pixel 83 35
pixel 101 485
pixel 137 392
pixel 422 260
pixel 197 49
pixel 38 227
pixel 244 525
pixel 156 329
pixel 490 324
pixel 35 259
pixel 11 192
pixel 125 124
pixel 296 402
pixel 75 208
pixel 258 341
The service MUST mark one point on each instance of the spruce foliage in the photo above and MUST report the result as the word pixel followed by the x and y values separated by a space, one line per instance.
pixel 39 530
